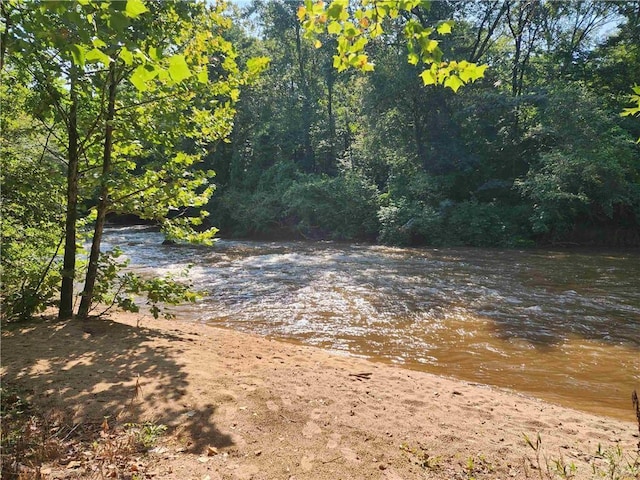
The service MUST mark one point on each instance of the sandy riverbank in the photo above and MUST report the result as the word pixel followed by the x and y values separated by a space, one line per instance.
pixel 264 409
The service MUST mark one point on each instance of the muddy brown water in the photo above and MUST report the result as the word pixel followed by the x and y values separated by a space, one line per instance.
pixel 560 325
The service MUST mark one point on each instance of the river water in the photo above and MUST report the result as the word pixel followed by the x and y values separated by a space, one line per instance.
pixel 563 326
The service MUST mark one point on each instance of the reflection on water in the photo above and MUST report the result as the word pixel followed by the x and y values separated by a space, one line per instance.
pixel 564 326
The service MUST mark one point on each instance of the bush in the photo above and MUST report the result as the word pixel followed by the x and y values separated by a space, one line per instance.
pixel 469 223
pixel 260 211
pixel 487 225
pixel 341 208
pixel 403 222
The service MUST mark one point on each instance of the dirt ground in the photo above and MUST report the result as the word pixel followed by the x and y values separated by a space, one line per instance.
pixel 239 406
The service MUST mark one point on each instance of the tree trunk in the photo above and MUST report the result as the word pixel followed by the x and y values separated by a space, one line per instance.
pixel 103 202
pixel 330 167
pixel 5 34
pixel 309 160
pixel 69 261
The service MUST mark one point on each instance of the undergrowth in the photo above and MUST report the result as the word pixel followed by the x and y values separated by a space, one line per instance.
pixel 611 463
pixel 35 445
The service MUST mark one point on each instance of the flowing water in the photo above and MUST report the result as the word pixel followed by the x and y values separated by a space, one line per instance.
pixel 563 326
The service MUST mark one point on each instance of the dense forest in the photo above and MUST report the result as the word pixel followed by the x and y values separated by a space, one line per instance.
pixel 534 153
pixel 129 108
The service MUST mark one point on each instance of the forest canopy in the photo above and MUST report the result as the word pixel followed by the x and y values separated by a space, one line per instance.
pixel 535 152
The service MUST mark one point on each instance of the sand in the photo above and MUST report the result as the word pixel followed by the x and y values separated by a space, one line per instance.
pixel 240 406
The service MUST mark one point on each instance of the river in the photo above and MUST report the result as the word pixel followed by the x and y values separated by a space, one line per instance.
pixel 563 326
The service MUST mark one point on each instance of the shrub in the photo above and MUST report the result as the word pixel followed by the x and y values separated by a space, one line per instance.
pixel 341 208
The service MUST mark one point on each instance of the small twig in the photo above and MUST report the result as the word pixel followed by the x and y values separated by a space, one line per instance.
pixel 137 392
pixel 288 419
pixel 70 432
pixel 361 376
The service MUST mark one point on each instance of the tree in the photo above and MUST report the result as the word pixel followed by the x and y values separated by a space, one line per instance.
pixel 123 79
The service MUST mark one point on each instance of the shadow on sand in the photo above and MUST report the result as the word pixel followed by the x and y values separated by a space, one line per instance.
pixel 99 368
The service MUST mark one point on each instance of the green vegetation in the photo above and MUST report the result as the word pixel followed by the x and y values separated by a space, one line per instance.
pixel 386 122
pixel 535 152
pixel 611 463
pixel 123 99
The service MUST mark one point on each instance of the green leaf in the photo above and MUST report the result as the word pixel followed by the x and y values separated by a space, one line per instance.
pixel 428 77
pixel 630 111
pixel 126 56
pixel 445 27
pixel 178 68
pixel 257 64
pixel 98 43
pixel 203 75
pixel 78 53
pixel 358 45
pixel 335 9
pixel 139 78
pixel 429 46
pixel 135 8
pixel 334 28
pixel 96 55
pixel 153 53
pixel 477 71
pixel 453 82
pixel 118 21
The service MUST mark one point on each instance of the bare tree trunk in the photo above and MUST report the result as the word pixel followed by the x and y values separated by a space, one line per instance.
pixel 103 202
pixel 69 260
pixel 309 160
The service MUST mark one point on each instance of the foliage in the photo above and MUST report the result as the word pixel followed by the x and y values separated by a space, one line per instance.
pixel 634 99
pixel 124 289
pixel 486 224
pixel 146 435
pixel 129 107
pixel 505 162
pixel 468 223
pixel 635 109
pixel 260 212
pixel 577 179
pixel 612 463
pixel 342 208
pixel 136 93
pixel 31 210
pixel 355 28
